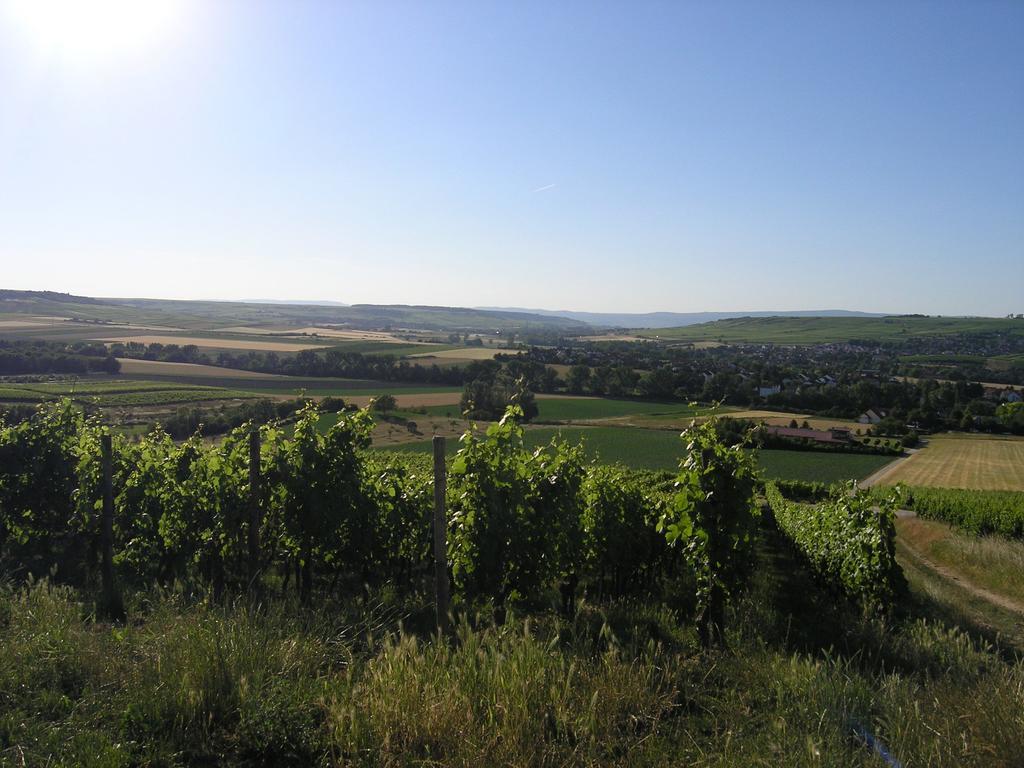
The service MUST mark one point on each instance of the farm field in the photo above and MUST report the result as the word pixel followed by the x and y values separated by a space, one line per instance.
pixel 395 430
pixel 461 353
pixel 568 408
pixel 964 461
pixel 661 449
pixel 117 393
pixel 406 399
pixel 816 467
pixel 156 368
pixel 269 383
pixel 215 342
pixel 823 330
pixel 312 330
pixel 682 419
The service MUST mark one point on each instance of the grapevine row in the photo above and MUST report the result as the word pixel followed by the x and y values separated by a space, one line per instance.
pixel 312 507
pixel 977 512
pixel 849 542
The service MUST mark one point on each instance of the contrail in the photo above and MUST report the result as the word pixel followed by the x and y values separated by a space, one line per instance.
pixel 544 188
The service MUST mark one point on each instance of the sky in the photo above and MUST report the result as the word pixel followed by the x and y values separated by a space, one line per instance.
pixel 628 156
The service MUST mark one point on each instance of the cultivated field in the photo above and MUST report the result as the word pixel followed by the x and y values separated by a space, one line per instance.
pixel 682 419
pixel 662 449
pixel 569 408
pixel 312 330
pixel 117 393
pixel 465 353
pixel 410 399
pixel 964 461
pixel 212 342
pixel 130 367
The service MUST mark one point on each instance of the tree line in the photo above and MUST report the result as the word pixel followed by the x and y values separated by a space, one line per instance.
pixel 18 358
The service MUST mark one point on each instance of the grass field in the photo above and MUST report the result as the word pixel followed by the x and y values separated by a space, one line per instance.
pixel 661 449
pixel 581 408
pixel 117 393
pixel 822 330
pixel 365 682
pixel 991 562
pixel 560 408
pixel 819 467
pixel 965 461
pixel 1007 361
pixel 271 384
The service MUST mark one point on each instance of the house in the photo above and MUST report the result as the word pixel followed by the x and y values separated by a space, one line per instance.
pixel 832 436
pixel 767 391
pixel 871 416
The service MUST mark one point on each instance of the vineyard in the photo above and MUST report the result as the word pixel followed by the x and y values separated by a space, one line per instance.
pixel 269 599
pixel 850 543
pixel 316 508
pixel 978 512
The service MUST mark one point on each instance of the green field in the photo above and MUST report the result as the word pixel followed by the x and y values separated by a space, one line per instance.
pixel 662 449
pixel 587 408
pixel 117 393
pixel 944 359
pixel 1006 361
pixel 286 385
pixel 819 467
pixel 822 330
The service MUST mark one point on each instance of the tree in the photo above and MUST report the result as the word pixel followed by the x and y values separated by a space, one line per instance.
pixel 578 378
pixel 383 403
pixel 1011 416
pixel 658 383
pixel 487 399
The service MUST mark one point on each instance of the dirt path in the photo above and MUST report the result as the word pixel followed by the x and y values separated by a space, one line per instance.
pixel 949 574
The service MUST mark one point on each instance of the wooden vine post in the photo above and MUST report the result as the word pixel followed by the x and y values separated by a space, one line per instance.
pixel 111 606
pixel 254 507
pixel 442 594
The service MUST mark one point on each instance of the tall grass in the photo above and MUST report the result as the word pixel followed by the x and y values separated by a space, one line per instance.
pixel 620 684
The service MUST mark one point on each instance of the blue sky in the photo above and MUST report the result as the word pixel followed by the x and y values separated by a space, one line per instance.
pixel 594 156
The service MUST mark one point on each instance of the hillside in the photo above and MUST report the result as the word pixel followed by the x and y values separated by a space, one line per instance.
pixel 674 319
pixel 823 330
pixel 218 314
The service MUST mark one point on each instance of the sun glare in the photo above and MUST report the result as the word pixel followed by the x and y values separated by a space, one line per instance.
pixel 94 31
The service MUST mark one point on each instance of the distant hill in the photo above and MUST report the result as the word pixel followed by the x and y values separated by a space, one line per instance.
pixel 823 330
pixel 221 314
pixel 674 319
pixel 7 295
pixel 298 302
